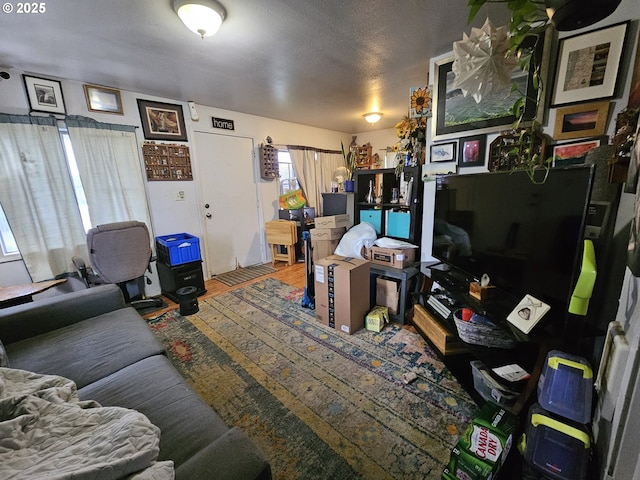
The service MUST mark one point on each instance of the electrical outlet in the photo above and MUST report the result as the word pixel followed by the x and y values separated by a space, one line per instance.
pixel 179 195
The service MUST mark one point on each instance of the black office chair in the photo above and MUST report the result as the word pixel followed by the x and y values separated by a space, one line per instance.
pixel 119 253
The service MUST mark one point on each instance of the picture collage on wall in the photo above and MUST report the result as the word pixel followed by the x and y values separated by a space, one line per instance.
pixel 586 77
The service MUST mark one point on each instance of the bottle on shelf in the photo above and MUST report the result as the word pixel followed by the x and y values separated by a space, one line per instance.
pixel 370 198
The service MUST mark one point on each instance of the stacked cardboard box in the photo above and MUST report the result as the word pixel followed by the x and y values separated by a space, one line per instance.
pixel 325 240
pixel 392 257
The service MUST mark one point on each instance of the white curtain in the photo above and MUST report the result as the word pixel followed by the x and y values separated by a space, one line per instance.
pixel 110 170
pixel 329 162
pixel 304 165
pixel 37 195
pixel 314 170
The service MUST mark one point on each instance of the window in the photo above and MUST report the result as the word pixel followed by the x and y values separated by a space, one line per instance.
pixel 288 180
pixel 75 178
pixel 8 247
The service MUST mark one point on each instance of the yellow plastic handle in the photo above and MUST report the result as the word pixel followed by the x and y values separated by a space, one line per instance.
pixel 586 370
pixel 538 419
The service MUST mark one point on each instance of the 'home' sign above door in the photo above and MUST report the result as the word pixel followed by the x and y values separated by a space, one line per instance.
pixel 223 123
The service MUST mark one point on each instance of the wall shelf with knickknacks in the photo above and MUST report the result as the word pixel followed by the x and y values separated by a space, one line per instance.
pixel 164 161
pixel 509 151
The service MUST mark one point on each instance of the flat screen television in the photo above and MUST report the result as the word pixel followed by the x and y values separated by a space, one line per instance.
pixel 527 237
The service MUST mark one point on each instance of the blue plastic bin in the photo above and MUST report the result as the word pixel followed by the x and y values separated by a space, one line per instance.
pixel 177 249
pixel 565 386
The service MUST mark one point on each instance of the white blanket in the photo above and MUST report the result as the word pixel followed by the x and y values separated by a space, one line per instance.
pixel 45 431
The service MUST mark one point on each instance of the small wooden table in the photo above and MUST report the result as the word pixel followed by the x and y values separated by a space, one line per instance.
pixel 18 294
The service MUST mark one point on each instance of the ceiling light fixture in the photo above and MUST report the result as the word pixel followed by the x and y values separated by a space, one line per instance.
pixel 202 17
pixel 372 117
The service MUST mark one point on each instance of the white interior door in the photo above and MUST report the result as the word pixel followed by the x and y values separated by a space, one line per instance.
pixel 229 201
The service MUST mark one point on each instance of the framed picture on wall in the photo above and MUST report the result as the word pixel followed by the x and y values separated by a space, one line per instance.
pixel 103 99
pixel 444 152
pixel 580 121
pixel 44 95
pixel 588 65
pixel 471 151
pixel 573 153
pixel 162 121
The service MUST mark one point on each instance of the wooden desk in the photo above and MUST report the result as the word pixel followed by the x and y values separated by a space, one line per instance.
pixel 17 294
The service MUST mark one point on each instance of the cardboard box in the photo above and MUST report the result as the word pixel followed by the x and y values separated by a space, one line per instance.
pixel 376 318
pixel 327 233
pixel 324 241
pixel 323 248
pixel 334 221
pixel 479 292
pixel 388 294
pixel 342 292
pixel 392 257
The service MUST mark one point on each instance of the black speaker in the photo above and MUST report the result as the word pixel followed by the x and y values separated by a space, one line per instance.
pixel 574 14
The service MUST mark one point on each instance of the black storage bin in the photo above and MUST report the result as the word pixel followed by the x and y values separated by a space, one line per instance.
pixel 185 275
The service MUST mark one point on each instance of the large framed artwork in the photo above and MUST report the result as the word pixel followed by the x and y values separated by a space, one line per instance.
pixel 162 121
pixel 44 95
pixel 588 65
pixel 454 113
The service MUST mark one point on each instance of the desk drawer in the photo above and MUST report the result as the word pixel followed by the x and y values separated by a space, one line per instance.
pixel 446 342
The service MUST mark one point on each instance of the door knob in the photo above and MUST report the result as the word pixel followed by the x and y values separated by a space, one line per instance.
pixel 206 205
pixel 208 215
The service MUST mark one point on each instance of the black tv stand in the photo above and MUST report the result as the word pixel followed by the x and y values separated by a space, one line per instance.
pixel 433 319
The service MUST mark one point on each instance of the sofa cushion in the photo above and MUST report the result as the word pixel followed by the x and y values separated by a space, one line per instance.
pixel 88 350
pixel 154 387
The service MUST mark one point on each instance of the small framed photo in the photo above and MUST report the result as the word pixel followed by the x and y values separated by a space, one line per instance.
pixel 162 121
pixel 581 121
pixel 44 95
pixel 444 152
pixel 574 153
pixel 471 151
pixel 588 65
pixel 103 99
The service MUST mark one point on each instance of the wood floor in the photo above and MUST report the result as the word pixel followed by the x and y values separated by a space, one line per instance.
pixel 294 275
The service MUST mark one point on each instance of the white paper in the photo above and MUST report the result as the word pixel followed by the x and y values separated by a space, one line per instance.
pixel 528 313
pixel 512 373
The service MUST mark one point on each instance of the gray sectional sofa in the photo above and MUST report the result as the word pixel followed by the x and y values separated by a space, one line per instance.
pixel 92 338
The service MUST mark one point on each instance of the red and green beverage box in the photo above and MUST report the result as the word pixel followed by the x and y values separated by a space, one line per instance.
pixel 484 446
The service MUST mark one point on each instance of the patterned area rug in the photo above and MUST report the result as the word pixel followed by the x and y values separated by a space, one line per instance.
pixel 245 274
pixel 319 403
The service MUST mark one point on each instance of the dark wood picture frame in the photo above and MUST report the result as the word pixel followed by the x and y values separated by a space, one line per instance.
pixel 588 65
pixel 449 104
pixel 472 151
pixel 162 121
pixel 44 95
pixel 443 152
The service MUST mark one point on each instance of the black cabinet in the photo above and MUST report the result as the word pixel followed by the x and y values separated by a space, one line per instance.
pixel 176 277
pixel 396 210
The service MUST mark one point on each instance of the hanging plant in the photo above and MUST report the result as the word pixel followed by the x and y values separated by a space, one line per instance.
pixel 527 28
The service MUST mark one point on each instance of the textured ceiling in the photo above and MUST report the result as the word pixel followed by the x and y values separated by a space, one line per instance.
pixel 322 63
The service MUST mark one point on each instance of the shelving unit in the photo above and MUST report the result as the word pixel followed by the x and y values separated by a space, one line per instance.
pixel 389 218
pixel 164 161
pixel 507 151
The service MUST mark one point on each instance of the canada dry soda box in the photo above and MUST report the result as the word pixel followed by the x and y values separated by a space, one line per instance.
pixel 483 448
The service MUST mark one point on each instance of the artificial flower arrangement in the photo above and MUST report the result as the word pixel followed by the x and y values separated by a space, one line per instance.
pixel 412 133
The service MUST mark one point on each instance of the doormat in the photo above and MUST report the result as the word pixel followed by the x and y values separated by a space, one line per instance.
pixel 245 274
